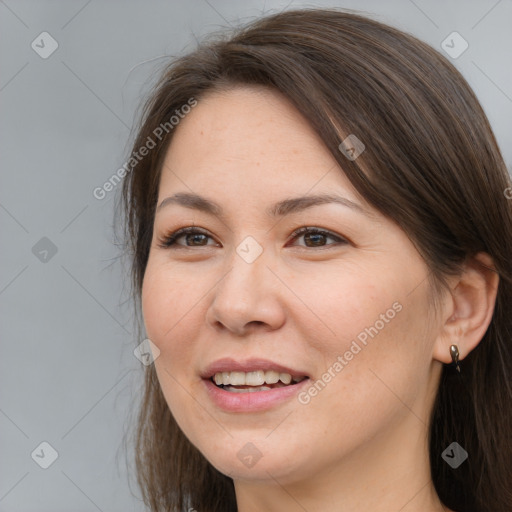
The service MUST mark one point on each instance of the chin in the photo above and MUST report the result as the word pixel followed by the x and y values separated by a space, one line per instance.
pixel 259 459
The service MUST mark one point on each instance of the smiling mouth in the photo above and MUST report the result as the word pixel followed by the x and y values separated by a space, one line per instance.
pixel 251 382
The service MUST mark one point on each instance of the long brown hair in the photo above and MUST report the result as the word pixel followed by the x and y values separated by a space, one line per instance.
pixel 431 164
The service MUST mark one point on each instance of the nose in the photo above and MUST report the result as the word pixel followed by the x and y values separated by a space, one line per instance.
pixel 248 298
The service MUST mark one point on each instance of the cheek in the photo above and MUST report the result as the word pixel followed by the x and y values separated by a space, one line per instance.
pixel 363 387
pixel 173 308
pixel 372 304
pixel 155 303
pixel 377 341
pixel 167 310
pixel 168 301
pixel 354 304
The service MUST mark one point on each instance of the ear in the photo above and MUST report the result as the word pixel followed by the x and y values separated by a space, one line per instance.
pixel 468 311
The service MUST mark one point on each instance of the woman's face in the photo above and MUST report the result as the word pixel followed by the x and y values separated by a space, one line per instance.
pixel 346 308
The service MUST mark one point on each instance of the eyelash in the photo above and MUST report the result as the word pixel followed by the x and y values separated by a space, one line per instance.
pixel 169 241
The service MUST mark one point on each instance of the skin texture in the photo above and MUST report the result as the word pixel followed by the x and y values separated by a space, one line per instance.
pixel 360 443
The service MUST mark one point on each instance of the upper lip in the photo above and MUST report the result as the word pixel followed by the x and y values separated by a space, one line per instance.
pixel 228 364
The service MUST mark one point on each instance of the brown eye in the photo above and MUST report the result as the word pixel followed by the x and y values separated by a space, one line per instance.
pixel 314 237
pixel 194 237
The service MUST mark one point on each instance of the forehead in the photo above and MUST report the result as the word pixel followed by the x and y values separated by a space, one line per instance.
pixel 251 116
pixel 249 140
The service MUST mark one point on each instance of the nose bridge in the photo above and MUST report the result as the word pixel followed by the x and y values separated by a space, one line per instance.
pixel 247 293
pixel 248 273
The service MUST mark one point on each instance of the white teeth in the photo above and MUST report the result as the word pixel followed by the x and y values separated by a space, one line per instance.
pixel 285 378
pixel 256 378
pixel 236 378
pixel 271 377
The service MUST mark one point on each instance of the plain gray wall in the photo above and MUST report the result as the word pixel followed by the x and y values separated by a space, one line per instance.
pixel 68 373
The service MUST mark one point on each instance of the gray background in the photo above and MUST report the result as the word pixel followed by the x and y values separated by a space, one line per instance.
pixel 68 373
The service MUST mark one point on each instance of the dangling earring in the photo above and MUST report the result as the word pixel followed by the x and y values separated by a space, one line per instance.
pixel 454 352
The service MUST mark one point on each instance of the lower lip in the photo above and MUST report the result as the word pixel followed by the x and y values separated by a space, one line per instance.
pixel 251 401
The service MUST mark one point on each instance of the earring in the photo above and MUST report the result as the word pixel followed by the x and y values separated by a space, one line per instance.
pixel 454 352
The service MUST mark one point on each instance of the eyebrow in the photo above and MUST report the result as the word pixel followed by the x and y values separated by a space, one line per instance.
pixel 279 209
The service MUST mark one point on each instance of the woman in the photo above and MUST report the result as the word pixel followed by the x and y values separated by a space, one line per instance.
pixel 321 244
